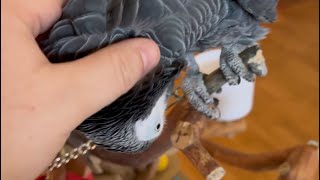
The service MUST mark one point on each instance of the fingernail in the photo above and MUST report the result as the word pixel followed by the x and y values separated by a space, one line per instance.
pixel 150 56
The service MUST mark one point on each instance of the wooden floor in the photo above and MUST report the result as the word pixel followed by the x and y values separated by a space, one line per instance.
pixel 286 104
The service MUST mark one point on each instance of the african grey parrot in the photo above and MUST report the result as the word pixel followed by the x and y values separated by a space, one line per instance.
pixel 180 28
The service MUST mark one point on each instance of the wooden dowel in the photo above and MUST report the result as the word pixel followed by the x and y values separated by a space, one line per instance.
pixel 223 129
pixel 202 160
pixel 265 161
pixel 253 56
pixel 187 139
pixel 301 164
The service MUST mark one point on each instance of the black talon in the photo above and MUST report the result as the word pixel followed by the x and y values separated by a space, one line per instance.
pixel 215 102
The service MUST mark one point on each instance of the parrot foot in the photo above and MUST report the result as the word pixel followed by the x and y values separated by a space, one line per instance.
pixel 234 69
pixel 198 96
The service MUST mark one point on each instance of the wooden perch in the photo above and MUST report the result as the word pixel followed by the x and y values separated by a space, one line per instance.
pixel 187 139
pixel 252 58
pixel 300 162
pixel 223 129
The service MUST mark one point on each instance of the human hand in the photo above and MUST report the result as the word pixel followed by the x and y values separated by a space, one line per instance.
pixel 41 103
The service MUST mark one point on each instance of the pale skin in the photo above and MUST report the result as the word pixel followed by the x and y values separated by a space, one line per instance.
pixel 41 103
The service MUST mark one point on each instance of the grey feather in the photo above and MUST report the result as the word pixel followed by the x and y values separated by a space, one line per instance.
pixel 263 10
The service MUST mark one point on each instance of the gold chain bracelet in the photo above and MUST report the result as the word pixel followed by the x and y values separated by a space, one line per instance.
pixel 74 154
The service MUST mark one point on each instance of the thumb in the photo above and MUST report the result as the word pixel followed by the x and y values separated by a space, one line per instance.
pixel 96 80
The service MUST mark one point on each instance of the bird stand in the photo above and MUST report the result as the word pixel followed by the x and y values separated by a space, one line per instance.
pixel 183 131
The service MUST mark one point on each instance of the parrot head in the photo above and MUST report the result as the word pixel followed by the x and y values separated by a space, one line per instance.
pixel 128 135
pixel 136 119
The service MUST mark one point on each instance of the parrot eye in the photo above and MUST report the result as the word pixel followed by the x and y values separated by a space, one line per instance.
pixel 158 127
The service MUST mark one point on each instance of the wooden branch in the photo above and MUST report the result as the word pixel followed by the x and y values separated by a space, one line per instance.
pixel 303 163
pixel 187 139
pixel 252 58
pixel 300 162
pixel 223 129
